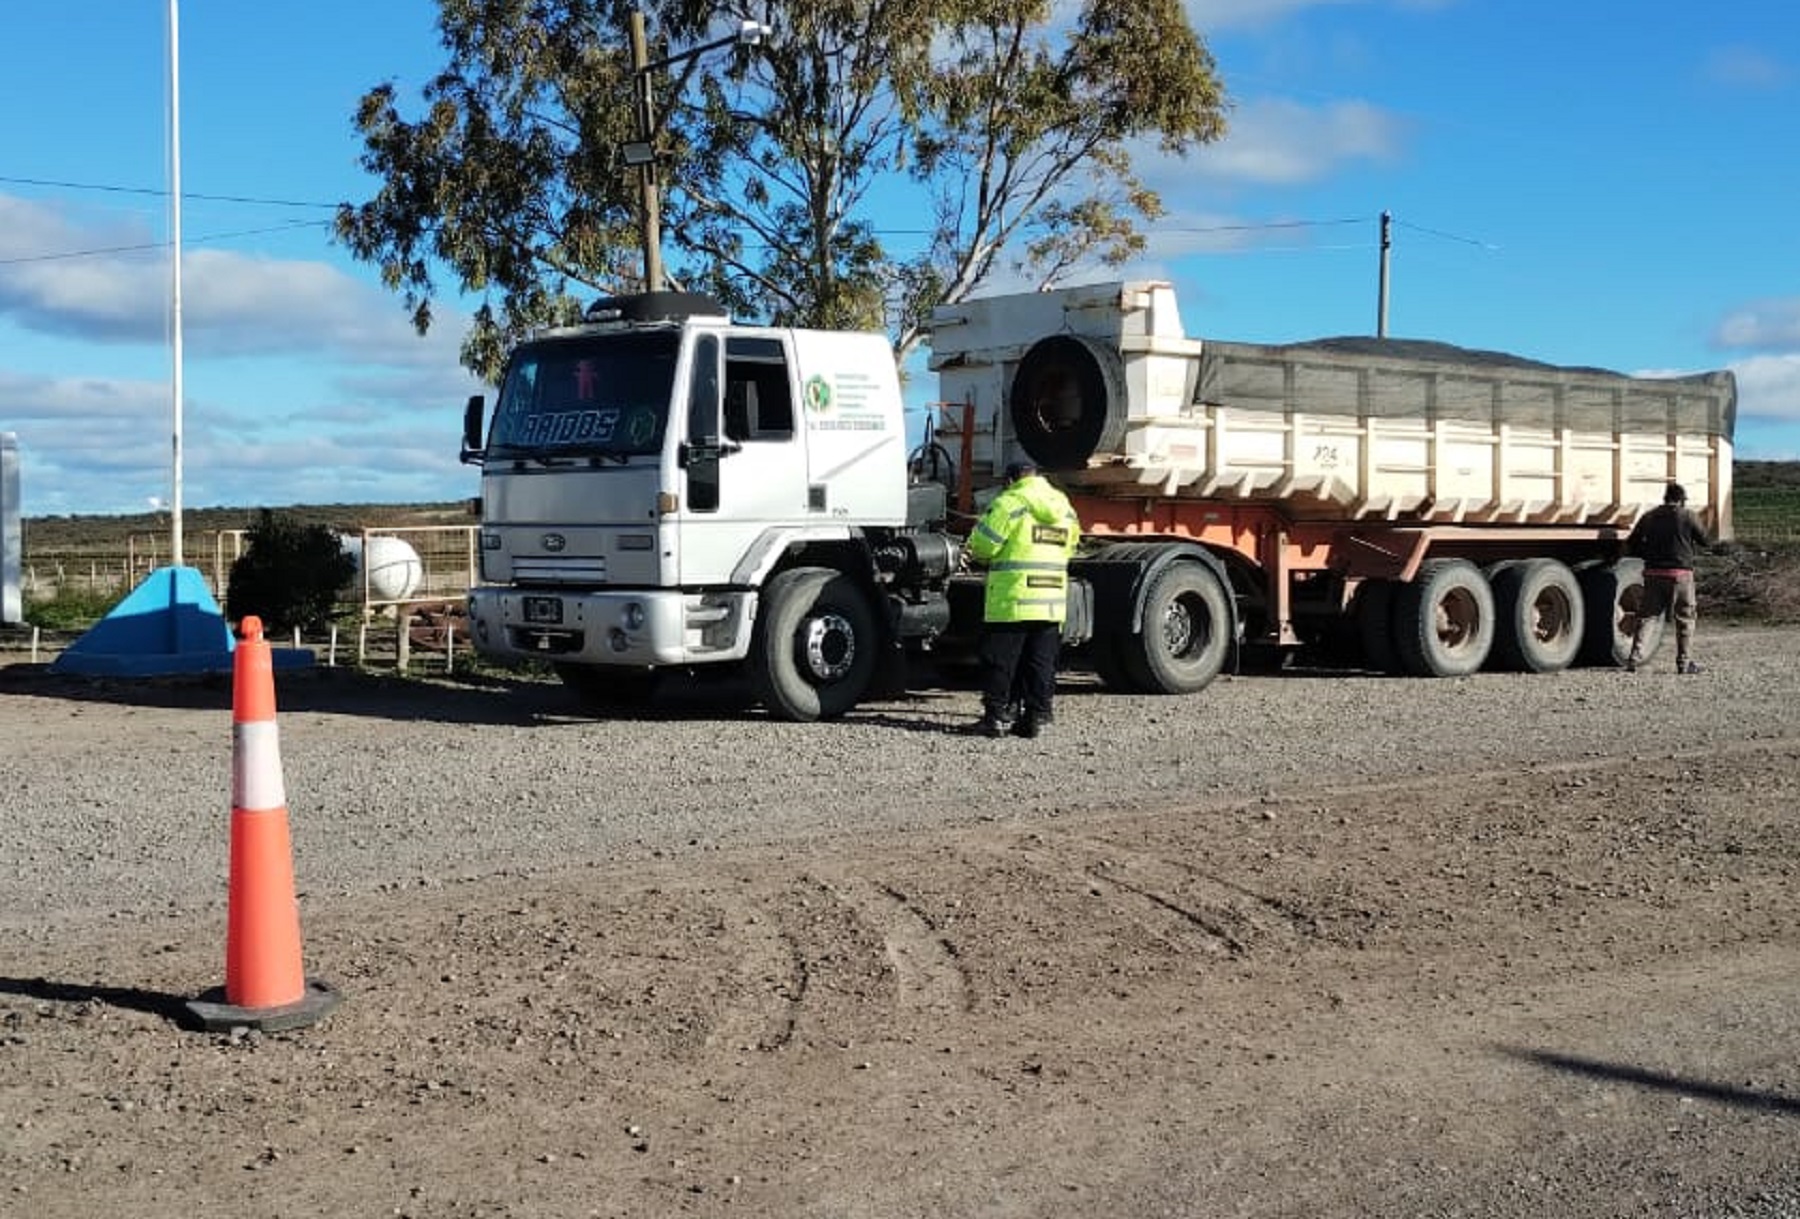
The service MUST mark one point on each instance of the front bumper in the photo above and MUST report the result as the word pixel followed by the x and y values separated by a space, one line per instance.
pixel 627 628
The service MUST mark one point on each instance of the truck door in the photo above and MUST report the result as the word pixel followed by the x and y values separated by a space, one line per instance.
pixel 745 469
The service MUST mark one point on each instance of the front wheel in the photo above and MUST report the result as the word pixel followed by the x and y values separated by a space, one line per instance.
pixel 1187 632
pixel 814 649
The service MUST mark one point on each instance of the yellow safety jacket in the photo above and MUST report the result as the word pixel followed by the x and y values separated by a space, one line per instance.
pixel 1025 538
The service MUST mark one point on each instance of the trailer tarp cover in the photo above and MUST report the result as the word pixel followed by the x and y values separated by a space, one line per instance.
pixel 1431 381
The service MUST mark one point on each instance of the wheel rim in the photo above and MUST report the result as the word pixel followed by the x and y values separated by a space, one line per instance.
pixel 827 647
pixel 1183 627
pixel 1552 615
pixel 1458 619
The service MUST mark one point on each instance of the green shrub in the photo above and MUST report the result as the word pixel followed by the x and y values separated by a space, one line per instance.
pixel 71 609
pixel 289 575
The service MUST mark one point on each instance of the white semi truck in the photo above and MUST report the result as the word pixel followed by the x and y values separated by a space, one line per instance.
pixel 665 491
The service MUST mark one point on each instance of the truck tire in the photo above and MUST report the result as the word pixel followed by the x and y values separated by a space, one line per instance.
pixel 1067 401
pixel 610 689
pixel 1612 593
pixel 1374 612
pixel 1540 616
pixel 814 649
pixel 1186 635
pixel 1444 619
pixel 1106 655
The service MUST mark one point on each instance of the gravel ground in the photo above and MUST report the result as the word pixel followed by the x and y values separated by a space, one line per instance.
pixel 393 782
pixel 1309 943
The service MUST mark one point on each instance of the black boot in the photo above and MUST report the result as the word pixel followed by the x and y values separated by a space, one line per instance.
pixel 992 725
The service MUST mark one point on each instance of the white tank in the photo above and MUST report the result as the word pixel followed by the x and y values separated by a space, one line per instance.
pixel 395 569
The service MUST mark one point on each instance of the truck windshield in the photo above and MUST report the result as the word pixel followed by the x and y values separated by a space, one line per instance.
pixel 601 396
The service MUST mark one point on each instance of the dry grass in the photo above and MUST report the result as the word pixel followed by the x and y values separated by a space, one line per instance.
pixel 1752 584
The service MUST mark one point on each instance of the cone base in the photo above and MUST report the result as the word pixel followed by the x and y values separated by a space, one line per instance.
pixel 211 1013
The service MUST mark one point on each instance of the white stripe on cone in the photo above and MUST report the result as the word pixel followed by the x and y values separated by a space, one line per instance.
pixel 256 784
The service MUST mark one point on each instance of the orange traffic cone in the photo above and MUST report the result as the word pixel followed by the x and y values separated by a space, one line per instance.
pixel 265 987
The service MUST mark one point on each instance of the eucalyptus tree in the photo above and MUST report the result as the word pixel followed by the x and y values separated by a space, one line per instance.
pixel 869 160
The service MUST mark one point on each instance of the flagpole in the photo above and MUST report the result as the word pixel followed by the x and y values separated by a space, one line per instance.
pixel 175 553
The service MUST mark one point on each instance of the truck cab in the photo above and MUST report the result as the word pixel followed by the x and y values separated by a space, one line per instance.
pixel 646 475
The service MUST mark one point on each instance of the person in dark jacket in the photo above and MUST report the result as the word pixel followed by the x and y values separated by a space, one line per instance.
pixel 1667 539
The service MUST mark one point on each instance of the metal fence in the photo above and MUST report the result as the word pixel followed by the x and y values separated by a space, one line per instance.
pixel 407 613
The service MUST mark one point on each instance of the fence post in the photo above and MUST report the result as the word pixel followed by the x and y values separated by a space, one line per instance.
pixel 403 634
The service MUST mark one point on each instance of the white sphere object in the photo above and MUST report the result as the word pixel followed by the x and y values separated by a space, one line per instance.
pixel 395 569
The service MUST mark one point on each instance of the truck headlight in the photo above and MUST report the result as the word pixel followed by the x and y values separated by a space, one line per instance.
pixel 635 617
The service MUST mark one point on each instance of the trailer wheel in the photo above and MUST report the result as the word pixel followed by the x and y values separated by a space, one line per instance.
pixel 1186 635
pixel 1444 619
pixel 1612 594
pixel 814 649
pixel 1540 616
pixel 1067 401
pixel 1374 611
pixel 610 689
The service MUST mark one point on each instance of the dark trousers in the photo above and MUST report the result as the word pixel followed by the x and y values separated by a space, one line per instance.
pixel 1018 668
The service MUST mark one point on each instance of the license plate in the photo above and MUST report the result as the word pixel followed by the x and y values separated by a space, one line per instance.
pixel 543 610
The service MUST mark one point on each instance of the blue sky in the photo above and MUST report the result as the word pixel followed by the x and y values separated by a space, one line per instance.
pixel 1591 183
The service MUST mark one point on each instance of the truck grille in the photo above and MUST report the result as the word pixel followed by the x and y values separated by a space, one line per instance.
pixel 585 570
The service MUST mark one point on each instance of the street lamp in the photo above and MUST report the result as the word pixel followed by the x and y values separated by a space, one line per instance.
pixel 641 153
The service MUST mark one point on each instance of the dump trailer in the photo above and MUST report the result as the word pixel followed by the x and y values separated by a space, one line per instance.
pixel 665 491
pixel 1441 509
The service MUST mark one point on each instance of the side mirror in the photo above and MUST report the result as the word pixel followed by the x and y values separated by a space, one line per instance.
pixel 474 415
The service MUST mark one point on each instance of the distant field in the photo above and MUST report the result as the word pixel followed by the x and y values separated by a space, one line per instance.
pixel 1766 514
pixel 84 536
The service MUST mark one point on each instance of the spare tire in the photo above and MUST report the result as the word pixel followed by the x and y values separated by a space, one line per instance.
pixel 1067 401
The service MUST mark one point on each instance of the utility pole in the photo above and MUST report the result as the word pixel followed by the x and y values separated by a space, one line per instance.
pixel 649 196
pixel 642 151
pixel 1387 244
pixel 176 557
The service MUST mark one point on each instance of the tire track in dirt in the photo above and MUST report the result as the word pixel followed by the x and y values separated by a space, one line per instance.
pixel 798 956
pixel 1178 900
pixel 928 973
pixel 773 979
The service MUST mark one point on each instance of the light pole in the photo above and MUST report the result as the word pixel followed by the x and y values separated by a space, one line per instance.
pixel 642 152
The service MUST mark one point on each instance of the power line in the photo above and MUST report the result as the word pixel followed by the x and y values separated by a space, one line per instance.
pixel 160 193
pixel 1419 228
pixel 98 251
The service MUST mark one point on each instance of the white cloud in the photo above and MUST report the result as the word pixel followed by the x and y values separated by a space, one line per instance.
pixel 1282 142
pixel 37 399
pixel 1744 67
pixel 1769 387
pixel 1762 324
pixel 1209 15
pixel 94 444
pixel 233 304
